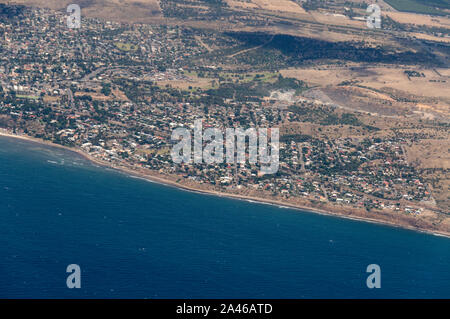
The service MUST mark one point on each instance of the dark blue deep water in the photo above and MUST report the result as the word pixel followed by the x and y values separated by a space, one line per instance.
pixel 136 239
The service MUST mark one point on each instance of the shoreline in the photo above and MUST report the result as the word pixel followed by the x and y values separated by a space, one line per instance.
pixel 258 200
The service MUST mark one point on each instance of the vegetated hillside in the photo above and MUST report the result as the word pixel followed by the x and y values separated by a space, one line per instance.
pixel 295 50
pixel 10 12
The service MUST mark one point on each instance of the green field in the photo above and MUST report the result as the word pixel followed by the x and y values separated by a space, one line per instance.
pixel 127 47
pixel 434 7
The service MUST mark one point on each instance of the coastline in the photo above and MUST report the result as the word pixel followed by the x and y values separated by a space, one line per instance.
pixel 164 181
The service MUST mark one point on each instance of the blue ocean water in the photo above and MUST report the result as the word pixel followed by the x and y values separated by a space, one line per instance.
pixel 136 239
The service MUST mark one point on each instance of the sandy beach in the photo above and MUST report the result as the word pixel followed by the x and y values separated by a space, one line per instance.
pixel 165 180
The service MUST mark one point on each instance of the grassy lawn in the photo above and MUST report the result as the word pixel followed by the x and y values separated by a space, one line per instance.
pixel 265 77
pixel 420 6
pixel 250 77
pixel 126 46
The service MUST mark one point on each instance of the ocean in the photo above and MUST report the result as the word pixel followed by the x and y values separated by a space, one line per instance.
pixel 137 239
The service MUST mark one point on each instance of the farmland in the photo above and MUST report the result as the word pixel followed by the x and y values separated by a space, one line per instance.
pixel 420 6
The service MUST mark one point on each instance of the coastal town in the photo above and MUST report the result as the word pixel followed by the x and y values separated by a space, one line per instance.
pixel 116 92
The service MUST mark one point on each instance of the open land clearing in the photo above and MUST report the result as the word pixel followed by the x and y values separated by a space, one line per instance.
pixel 280 5
pixel 429 37
pixel 419 19
pixel 427 93
pixel 338 20
pixel 433 157
pixel 429 153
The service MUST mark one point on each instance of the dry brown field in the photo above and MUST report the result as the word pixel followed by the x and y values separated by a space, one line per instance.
pixel 430 37
pixel 338 20
pixel 419 19
pixel 383 84
pixel 429 153
pixel 279 5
